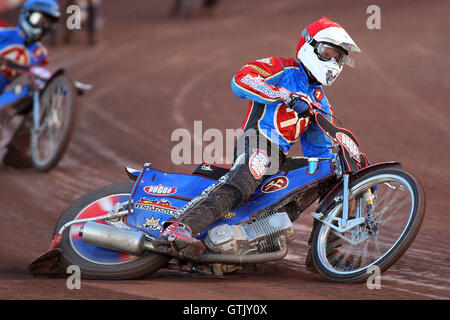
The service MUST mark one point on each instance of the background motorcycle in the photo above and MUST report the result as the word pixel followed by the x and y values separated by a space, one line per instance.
pixel 367 216
pixel 48 103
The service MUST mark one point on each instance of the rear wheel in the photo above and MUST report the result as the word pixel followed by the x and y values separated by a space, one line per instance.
pixel 391 224
pixel 96 262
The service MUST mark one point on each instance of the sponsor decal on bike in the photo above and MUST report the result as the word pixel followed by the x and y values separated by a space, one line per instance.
pixel 230 215
pixel 206 167
pixel 258 163
pixel 275 184
pixel 152 224
pixel 349 144
pixel 162 206
pixel 160 190
pixel 318 94
pixel 201 196
pixel 18 89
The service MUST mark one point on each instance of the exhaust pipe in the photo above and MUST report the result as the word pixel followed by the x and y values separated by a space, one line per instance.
pixel 135 243
pixel 109 237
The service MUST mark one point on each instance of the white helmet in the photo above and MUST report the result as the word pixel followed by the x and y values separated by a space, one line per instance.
pixel 323 49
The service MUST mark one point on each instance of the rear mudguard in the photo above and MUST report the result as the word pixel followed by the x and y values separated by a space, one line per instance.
pixel 332 196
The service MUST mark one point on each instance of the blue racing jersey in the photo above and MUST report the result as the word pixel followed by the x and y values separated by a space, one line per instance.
pixel 14 47
pixel 268 83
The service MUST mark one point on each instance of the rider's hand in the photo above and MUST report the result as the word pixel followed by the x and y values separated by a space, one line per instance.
pixel 300 105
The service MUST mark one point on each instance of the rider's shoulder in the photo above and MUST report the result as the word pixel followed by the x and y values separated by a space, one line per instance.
pixel 10 33
pixel 275 63
pixel 8 28
pixel 288 62
pixel 270 62
pixel 278 61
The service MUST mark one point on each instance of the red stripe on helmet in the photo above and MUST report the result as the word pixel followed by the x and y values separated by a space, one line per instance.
pixel 315 27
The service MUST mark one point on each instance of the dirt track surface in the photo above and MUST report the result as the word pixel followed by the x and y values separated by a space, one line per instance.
pixel 152 75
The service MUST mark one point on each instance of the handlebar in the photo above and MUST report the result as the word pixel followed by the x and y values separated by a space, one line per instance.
pixel 14 65
pixel 35 72
pixel 294 98
pixel 313 106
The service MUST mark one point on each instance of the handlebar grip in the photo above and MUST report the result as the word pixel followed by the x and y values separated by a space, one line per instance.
pixel 293 99
pixel 13 65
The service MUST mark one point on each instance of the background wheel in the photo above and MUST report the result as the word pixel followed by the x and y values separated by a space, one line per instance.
pixel 388 231
pixel 95 262
pixel 57 115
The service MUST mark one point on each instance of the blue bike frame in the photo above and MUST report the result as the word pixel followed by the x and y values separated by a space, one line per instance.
pixel 157 195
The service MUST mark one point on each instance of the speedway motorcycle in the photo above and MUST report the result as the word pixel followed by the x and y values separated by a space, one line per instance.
pixel 367 215
pixel 47 102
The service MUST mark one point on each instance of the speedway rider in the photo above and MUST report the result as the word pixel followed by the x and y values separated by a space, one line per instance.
pixel 21 43
pixel 281 91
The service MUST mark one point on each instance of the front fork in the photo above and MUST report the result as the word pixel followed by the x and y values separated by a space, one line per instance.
pixel 345 193
pixel 344 223
pixel 36 112
pixel 368 200
pixel 371 223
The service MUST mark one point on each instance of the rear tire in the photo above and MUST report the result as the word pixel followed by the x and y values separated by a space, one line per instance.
pixel 132 268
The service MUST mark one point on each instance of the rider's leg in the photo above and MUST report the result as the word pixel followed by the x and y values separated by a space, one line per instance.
pixel 3 84
pixel 255 156
pixel 16 143
pixel 16 100
pixel 17 155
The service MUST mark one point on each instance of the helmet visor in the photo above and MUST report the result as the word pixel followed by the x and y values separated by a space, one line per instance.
pixel 329 52
pixel 40 20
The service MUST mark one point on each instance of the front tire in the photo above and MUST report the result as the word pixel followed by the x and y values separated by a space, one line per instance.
pixel 95 262
pixel 388 230
pixel 57 120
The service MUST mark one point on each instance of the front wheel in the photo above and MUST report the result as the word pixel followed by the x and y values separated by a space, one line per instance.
pixel 96 262
pixel 57 120
pixel 391 222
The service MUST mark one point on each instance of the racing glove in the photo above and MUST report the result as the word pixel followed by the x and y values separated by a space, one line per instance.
pixel 300 105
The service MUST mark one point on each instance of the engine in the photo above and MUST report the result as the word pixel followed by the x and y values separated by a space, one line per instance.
pixel 259 236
